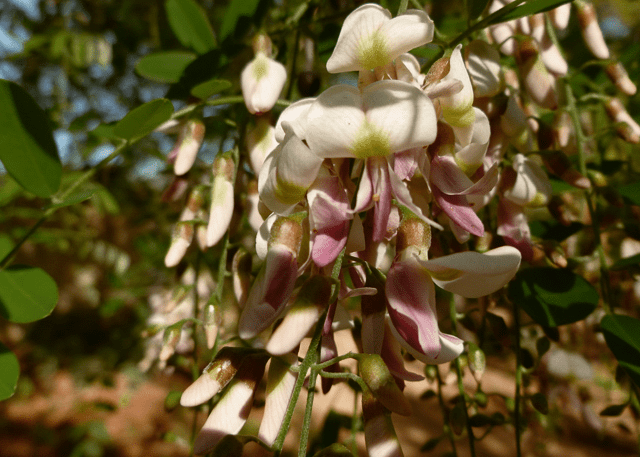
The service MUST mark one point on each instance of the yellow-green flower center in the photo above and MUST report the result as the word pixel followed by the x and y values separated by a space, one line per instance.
pixel 370 142
pixel 260 67
pixel 372 51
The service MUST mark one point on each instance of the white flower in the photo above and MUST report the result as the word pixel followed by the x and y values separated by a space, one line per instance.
pixel 370 38
pixel 262 81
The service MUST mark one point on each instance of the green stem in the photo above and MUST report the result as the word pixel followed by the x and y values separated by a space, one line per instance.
pixel 572 108
pixel 306 422
pixel 403 7
pixel 516 407
pixel 445 413
pixel 463 394
pixel 60 198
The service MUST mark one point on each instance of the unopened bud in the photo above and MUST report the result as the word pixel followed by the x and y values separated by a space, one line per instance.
pixel 262 43
pixel 378 378
pixel 477 361
pixel 211 324
pixel 176 190
pixel 559 164
pixel 559 211
pixel 180 241
pixel 379 433
pixel 215 376
pixel 539 83
pixel 222 198
pixel 628 128
pixel 188 145
pixel 170 341
pixel 618 75
pixel 241 275
pixel 591 32
pixel 413 232
pixel 195 201
pixel 287 231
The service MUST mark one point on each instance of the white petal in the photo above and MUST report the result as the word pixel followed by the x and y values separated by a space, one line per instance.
pixel 361 26
pixel 472 274
pixel 407 31
pixel 295 115
pixel 483 62
pixel 280 383
pixel 334 120
pixel 203 389
pixel 456 108
pixel 227 418
pixel 450 348
pixel 403 112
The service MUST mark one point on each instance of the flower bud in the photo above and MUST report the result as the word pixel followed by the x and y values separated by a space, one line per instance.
pixel 558 163
pixel 211 324
pixel 311 301
pixel 241 275
pixel 539 83
pixel 619 76
pixel 591 32
pixel 195 201
pixel 261 140
pixel 477 361
pixel 379 435
pixel 215 376
pixel 413 232
pixel 170 341
pixel 222 198
pixel 628 128
pixel 376 375
pixel 180 241
pixel 187 147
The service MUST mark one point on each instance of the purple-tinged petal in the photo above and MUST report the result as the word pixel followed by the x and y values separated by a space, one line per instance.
pixel 411 304
pixel 459 211
pixel 450 348
pixel 271 290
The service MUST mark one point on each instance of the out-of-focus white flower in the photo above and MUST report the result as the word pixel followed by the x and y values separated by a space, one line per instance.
pixel 531 186
pixel 262 81
pixel 483 63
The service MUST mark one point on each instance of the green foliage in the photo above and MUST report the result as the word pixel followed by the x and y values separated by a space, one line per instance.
pixel 237 9
pixel 528 9
pixel 9 372
pixel 190 24
pixel 144 119
pixel 164 67
pixel 553 296
pixel 210 88
pixel 622 334
pixel 26 294
pixel 27 149
pixel 631 193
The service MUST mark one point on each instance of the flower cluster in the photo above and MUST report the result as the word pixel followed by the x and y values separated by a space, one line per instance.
pixel 351 188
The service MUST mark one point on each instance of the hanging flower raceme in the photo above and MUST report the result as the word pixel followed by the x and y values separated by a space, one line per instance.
pixel 262 79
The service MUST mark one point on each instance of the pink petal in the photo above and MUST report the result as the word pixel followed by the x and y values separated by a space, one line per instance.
pixel 459 211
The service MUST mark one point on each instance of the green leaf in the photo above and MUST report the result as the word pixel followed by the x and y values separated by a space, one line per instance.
pixel 26 294
pixel 28 150
pixel 105 131
pixel 6 244
pixel 75 198
pixel 554 230
pixel 631 193
pixel 9 372
pixel 164 67
pixel 236 10
pixel 528 9
pixel 209 88
pixel 190 24
pixel 627 262
pixel 553 296
pixel 476 7
pixel 622 334
pixel 540 403
pixel 144 119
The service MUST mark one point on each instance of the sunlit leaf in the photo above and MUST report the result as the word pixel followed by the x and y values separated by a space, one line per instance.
pixel 236 10
pixel 190 24
pixel 164 67
pixel 9 372
pixel 622 334
pixel 26 294
pixel 528 9
pixel 209 88
pixel 631 193
pixel 27 148
pixel 144 119
pixel 553 296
